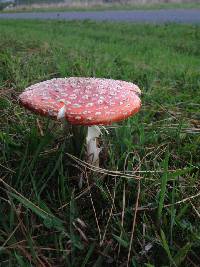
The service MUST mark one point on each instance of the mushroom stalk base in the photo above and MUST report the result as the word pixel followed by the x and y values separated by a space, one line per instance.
pixel 92 145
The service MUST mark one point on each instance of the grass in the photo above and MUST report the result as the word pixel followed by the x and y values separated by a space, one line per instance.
pixel 101 7
pixel 146 215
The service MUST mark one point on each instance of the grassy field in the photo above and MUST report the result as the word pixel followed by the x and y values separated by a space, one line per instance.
pixel 100 7
pixel 146 215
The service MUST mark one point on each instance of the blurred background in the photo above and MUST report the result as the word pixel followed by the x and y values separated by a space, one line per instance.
pixel 81 3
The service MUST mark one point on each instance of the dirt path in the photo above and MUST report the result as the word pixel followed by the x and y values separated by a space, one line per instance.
pixel 151 16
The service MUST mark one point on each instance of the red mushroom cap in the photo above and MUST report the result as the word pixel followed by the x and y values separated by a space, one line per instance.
pixel 83 101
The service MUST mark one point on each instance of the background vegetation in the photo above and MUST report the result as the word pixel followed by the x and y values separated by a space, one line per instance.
pixel 146 215
pixel 108 1
pixel 61 5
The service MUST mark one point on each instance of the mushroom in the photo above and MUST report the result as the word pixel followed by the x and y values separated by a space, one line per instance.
pixel 84 101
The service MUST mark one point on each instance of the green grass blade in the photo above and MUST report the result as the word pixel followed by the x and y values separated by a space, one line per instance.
pixel 164 179
pixel 89 253
pixel 182 253
pixel 166 248
pixel 122 242
pixel 48 219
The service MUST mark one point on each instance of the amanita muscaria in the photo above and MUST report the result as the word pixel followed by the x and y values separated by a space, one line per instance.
pixel 84 101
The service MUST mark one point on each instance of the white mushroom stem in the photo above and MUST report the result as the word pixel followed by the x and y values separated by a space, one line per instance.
pixel 92 145
pixel 91 139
